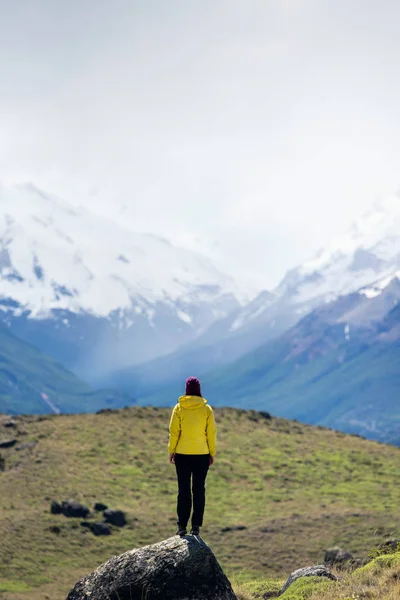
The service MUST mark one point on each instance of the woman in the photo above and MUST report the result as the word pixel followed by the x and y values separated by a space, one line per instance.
pixel 192 448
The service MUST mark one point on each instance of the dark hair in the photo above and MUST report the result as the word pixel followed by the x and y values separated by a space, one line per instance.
pixel 193 387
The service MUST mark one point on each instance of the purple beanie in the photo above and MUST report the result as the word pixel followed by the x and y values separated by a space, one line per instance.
pixel 193 387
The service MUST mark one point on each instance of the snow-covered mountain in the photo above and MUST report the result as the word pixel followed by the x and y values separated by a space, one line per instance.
pixel 370 250
pixel 364 261
pixel 95 295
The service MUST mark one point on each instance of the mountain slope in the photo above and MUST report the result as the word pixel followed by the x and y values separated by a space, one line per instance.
pixel 273 481
pixel 339 366
pixel 96 296
pixel 31 382
pixel 367 253
pixel 326 371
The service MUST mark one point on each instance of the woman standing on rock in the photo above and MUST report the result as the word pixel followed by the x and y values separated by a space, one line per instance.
pixel 192 448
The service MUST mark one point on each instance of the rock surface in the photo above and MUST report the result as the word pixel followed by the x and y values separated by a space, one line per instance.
pixel 8 443
pixel 337 556
pixel 115 517
pixel 97 528
pixel 175 569
pixel 70 508
pixel 55 508
pixel 389 546
pixel 317 571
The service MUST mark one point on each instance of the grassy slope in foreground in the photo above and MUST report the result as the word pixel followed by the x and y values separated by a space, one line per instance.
pixel 26 374
pixel 378 580
pixel 297 489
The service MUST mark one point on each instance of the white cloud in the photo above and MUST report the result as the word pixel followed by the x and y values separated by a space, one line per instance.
pixel 264 126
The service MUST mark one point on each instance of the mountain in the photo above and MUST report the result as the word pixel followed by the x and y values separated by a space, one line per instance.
pixel 96 296
pixel 338 367
pixel 32 383
pixel 368 252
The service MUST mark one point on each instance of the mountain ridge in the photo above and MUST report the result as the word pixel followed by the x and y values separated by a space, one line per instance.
pixel 66 273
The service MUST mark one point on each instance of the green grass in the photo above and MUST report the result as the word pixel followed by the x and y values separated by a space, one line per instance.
pixel 297 489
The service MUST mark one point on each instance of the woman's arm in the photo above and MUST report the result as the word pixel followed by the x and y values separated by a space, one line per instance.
pixel 174 433
pixel 211 432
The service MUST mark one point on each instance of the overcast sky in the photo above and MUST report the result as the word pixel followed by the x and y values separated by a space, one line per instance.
pixel 263 125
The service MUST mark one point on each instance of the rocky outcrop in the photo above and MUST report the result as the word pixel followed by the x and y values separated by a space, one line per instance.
pixel 115 517
pixel 70 508
pixel 97 528
pixel 55 508
pixel 175 569
pixel 337 556
pixel 390 546
pixel 8 443
pixel 317 571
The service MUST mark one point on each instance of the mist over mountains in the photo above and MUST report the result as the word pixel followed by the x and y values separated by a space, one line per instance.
pixel 135 313
pixel 95 296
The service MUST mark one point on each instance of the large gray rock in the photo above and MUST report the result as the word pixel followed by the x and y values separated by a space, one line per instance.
pixel 317 571
pixel 175 569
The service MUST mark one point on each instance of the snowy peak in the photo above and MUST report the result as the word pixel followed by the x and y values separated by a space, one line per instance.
pixel 378 287
pixel 55 256
pixel 368 252
pixel 377 233
pixel 369 249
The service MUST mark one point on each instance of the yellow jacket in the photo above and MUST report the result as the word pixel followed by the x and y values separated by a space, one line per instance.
pixel 192 428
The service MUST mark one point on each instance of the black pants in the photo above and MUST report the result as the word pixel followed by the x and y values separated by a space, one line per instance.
pixel 195 467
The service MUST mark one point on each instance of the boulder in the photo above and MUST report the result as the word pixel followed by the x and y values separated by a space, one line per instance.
pixel 317 571
pixel 99 507
pixel 175 569
pixel 70 508
pixel 337 556
pixel 55 508
pixel 97 528
pixel 389 546
pixel 11 424
pixel 8 443
pixel 115 517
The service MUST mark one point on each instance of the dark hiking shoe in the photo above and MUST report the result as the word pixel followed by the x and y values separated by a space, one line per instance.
pixel 181 531
pixel 195 531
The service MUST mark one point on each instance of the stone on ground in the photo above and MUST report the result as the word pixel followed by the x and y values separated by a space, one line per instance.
pixel 317 571
pixel 174 569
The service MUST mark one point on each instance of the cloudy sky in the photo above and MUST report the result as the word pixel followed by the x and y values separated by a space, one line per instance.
pixel 253 129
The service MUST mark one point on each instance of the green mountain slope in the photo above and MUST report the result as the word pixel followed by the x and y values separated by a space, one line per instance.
pixel 318 374
pixel 33 383
pixel 278 495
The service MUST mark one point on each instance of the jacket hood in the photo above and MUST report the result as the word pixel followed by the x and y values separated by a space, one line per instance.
pixel 192 401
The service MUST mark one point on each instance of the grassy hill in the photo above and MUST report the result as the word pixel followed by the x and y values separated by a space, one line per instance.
pixel 279 495
pixel 31 382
